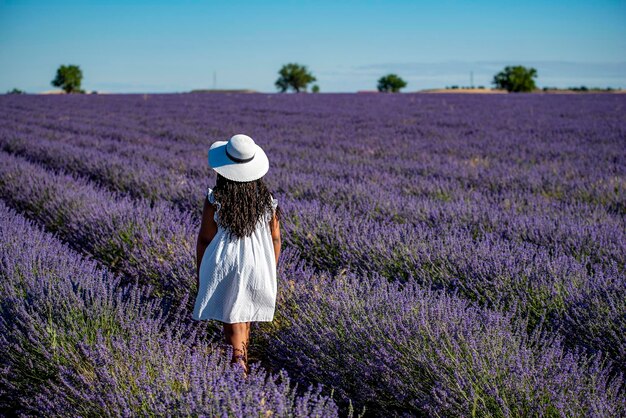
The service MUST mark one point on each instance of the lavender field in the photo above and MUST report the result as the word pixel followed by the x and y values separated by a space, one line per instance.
pixel 443 255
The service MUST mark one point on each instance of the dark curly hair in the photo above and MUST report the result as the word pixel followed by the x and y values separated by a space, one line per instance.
pixel 242 204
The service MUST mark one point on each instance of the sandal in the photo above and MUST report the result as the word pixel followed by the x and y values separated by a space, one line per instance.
pixel 238 359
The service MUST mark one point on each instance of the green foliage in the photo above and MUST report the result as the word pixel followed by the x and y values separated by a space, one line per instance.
pixel 391 83
pixel 457 87
pixel 16 91
pixel 294 76
pixel 69 78
pixel 516 79
pixel 315 88
pixel 582 89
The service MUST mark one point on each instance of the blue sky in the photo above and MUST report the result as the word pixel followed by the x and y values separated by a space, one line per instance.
pixel 178 45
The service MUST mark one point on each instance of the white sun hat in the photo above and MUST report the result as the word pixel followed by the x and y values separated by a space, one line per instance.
pixel 238 159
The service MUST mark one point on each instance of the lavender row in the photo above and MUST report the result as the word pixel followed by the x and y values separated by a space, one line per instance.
pixel 139 163
pixel 133 146
pixel 74 341
pixel 408 351
pixel 450 164
pixel 580 230
pixel 511 216
pixel 544 137
pixel 188 117
pixel 298 322
pixel 518 215
pixel 545 153
pixel 135 176
pixel 151 242
pixel 493 271
pixel 572 237
pixel 562 289
pixel 115 120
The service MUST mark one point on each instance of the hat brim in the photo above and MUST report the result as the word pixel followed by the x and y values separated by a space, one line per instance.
pixel 248 171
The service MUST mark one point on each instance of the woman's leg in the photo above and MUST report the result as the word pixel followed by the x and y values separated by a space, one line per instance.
pixel 238 335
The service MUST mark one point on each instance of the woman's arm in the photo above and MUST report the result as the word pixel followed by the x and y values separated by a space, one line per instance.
pixel 275 229
pixel 208 229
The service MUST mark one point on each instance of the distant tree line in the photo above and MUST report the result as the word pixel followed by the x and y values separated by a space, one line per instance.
pixel 295 77
pixel 514 79
pixel 456 87
pixel 581 88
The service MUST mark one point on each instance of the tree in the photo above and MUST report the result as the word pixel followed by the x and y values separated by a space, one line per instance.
pixel 294 76
pixel 16 91
pixel 315 88
pixel 391 82
pixel 516 79
pixel 69 78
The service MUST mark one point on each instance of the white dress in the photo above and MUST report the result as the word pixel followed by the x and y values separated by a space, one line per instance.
pixel 238 276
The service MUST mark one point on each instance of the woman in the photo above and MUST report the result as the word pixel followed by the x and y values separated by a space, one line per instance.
pixel 238 244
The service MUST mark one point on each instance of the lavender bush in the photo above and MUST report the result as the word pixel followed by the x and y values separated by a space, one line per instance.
pixel 401 349
pixel 75 342
pixel 586 241
pixel 133 176
pixel 150 243
pixel 482 276
pixel 513 205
